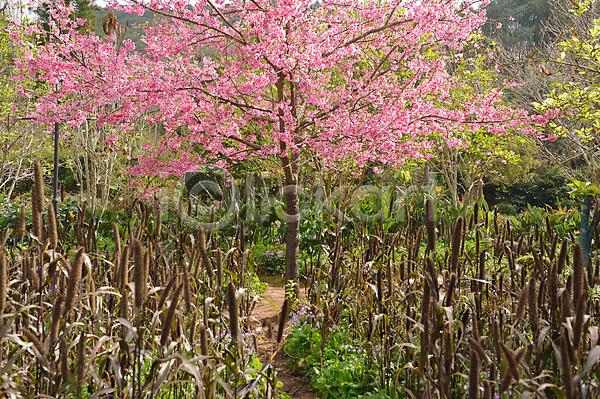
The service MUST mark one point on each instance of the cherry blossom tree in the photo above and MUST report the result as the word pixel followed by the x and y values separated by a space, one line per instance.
pixel 339 80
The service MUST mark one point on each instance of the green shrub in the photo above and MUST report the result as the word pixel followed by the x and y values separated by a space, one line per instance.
pixel 270 259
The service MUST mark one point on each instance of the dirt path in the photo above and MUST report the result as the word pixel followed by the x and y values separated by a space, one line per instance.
pixel 294 383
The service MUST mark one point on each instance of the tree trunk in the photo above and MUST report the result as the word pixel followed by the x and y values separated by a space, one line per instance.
pixel 290 163
pixel 292 231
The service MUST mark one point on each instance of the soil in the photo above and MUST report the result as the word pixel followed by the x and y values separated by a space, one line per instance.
pixel 265 315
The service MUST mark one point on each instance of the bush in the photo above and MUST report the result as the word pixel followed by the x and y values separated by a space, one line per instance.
pixel 270 259
pixel 343 372
pixel 549 186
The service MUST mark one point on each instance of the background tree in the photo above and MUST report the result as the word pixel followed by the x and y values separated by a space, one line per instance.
pixel 574 64
pixel 20 139
pixel 477 155
pixel 517 23
pixel 81 9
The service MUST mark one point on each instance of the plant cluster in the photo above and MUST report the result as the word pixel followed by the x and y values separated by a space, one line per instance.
pixel 459 307
pixel 155 312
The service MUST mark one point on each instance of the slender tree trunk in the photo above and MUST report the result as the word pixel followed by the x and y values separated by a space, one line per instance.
pixel 290 163
pixel 293 229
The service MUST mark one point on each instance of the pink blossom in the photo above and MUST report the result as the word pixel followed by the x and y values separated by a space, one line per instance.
pixel 289 79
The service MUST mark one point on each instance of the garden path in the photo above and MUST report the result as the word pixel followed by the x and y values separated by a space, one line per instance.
pixel 294 381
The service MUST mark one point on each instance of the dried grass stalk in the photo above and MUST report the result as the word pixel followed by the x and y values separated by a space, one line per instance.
pixel 456 243
pixel 52 227
pixel 81 357
pixel 450 292
pixel 203 340
pixel 31 337
pixel 430 224
pixel 534 321
pixel 520 311
pixel 579 320
pixel 74 282
pixel 512 362
pixel 4 274
pixel 204 260
pixel 553 291
pixel 166 291
pixel 37 199
pixel 578 272
pixel 233 312
pixel 167 323
pixel 219 264
pixel 64 360
pixel 187 292
pixel 567 376
pixel 474 375
pixel 123 274
pixel 562 256
pixel 476 346
pixel 20 222
pixel 55 320
pixel 140 278
pixel 425 303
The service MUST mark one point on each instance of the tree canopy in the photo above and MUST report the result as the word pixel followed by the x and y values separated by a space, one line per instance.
pixel 366 81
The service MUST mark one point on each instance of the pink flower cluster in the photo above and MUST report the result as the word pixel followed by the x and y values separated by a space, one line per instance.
pixel 348 79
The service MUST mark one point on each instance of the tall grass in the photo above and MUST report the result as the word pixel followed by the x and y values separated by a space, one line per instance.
pixel 82 321
pixel 478 311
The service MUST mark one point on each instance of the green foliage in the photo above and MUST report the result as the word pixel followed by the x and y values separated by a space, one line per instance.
pixel 580 188
pixel 343 373
pixel 561 219
pixel 548 186
pixel 270 259
pixel 575 98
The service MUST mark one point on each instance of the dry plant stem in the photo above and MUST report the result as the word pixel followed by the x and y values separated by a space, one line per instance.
pixel 423 356
pixel 20 222
pixel 163 296
pixel 37 199
pixel 233 313
pixel 430 224
pixel 456 243
pixel 553 292
pixel 578 272
pixel 219 264
pixel 140 277
pixel 567 376
pixel 52 227
pixel 474 375
pixel 282 319
pixel 562 257
pixel 123 273
pixel 533 309
pixel 187 293
pixel 204 260
pixel 520 311
pixel 203 340
pixel 80 359
pixel 450 292
pixel 167 323
pixel 74 282
pixel 4 275
pixel 55 321
pixel 31 337
pixel 579 320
